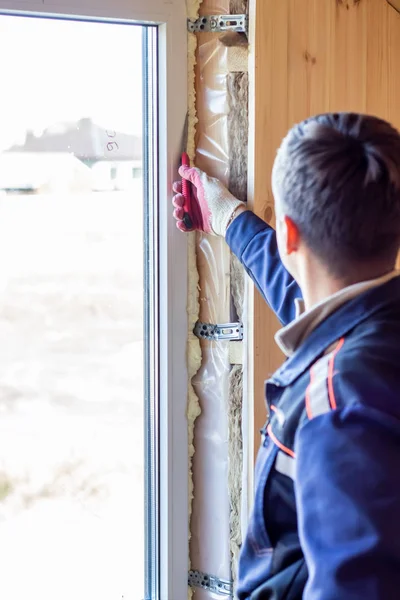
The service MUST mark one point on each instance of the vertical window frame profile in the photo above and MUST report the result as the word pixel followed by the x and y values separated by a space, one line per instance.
pixel 151 311
pixel 166 552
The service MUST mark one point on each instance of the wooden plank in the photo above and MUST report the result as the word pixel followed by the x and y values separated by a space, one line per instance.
pixel 395 4
pixel 393 59
pixel 271 105
pixel 313 56
pixel 301 62
pixel 319 38
pixel 393 89
pixel 378 51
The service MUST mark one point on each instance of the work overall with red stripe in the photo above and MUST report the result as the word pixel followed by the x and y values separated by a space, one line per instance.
pixel 325 519
pixel 275 476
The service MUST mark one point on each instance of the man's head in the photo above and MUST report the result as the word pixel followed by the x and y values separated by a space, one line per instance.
pixel 336 182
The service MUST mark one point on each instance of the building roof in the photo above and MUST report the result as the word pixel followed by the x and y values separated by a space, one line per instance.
pixel 85 140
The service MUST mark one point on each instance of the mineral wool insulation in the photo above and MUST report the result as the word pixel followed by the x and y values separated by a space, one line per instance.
pixel 235 160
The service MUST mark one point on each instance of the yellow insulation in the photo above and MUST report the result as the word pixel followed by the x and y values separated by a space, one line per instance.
pixel 193 307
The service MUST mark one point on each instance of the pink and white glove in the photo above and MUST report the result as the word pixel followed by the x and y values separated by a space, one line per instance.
pixel 215 203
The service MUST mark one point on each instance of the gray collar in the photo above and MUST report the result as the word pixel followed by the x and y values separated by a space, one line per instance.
pixel 290 337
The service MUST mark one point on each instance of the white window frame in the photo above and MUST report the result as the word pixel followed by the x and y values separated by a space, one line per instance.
pixel 170 17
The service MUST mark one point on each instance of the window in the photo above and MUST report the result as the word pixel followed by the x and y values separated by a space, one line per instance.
pixel 88 441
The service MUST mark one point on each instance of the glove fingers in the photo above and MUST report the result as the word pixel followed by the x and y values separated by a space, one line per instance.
pixel 178 201
pixel 177 187
pixel 179 213
pixel 181 226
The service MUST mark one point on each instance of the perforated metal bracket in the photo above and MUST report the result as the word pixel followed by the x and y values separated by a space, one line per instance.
pixel 219 24
pixel 223 587
pixel 222 332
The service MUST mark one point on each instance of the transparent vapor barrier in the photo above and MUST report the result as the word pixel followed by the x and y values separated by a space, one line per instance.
pixel 210 520
pixel 71 311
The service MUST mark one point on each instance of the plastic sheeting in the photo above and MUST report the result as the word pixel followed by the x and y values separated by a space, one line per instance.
pixel 210 528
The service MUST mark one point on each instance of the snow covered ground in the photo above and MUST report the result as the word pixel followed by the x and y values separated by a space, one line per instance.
pixel 71 397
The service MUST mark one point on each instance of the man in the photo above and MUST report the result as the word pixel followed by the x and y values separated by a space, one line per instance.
pixel 326 518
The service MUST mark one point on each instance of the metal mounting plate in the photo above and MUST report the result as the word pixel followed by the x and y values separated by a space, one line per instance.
pixel 222 587
pixel 219 24
pixel 219 332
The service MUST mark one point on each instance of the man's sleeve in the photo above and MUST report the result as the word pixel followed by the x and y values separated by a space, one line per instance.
pixel 348 502
pixel 254 243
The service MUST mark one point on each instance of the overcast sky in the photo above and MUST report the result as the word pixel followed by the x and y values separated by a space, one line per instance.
pixel 53 70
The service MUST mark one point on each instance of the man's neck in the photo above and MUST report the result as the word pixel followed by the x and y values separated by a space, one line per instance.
pixel 319 285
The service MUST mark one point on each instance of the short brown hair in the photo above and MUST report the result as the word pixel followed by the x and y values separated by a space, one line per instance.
pixel 338 178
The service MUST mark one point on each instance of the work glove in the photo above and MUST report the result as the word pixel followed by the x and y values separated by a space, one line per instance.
pixel 215 205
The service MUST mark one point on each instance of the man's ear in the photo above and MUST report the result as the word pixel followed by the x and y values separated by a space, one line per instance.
pixel 292 235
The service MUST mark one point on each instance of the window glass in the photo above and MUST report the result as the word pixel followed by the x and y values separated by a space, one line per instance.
pixel 72 404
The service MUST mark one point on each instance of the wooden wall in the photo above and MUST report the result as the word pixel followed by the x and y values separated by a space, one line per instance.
pixel 313 56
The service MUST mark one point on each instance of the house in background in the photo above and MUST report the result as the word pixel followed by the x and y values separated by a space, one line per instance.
pixel 114 159
pixel 44 172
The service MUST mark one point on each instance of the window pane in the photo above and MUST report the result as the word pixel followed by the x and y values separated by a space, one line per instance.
pixel 71 311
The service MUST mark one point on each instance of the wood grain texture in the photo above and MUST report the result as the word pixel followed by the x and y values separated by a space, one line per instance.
pixel 313 56
pixel 395 4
